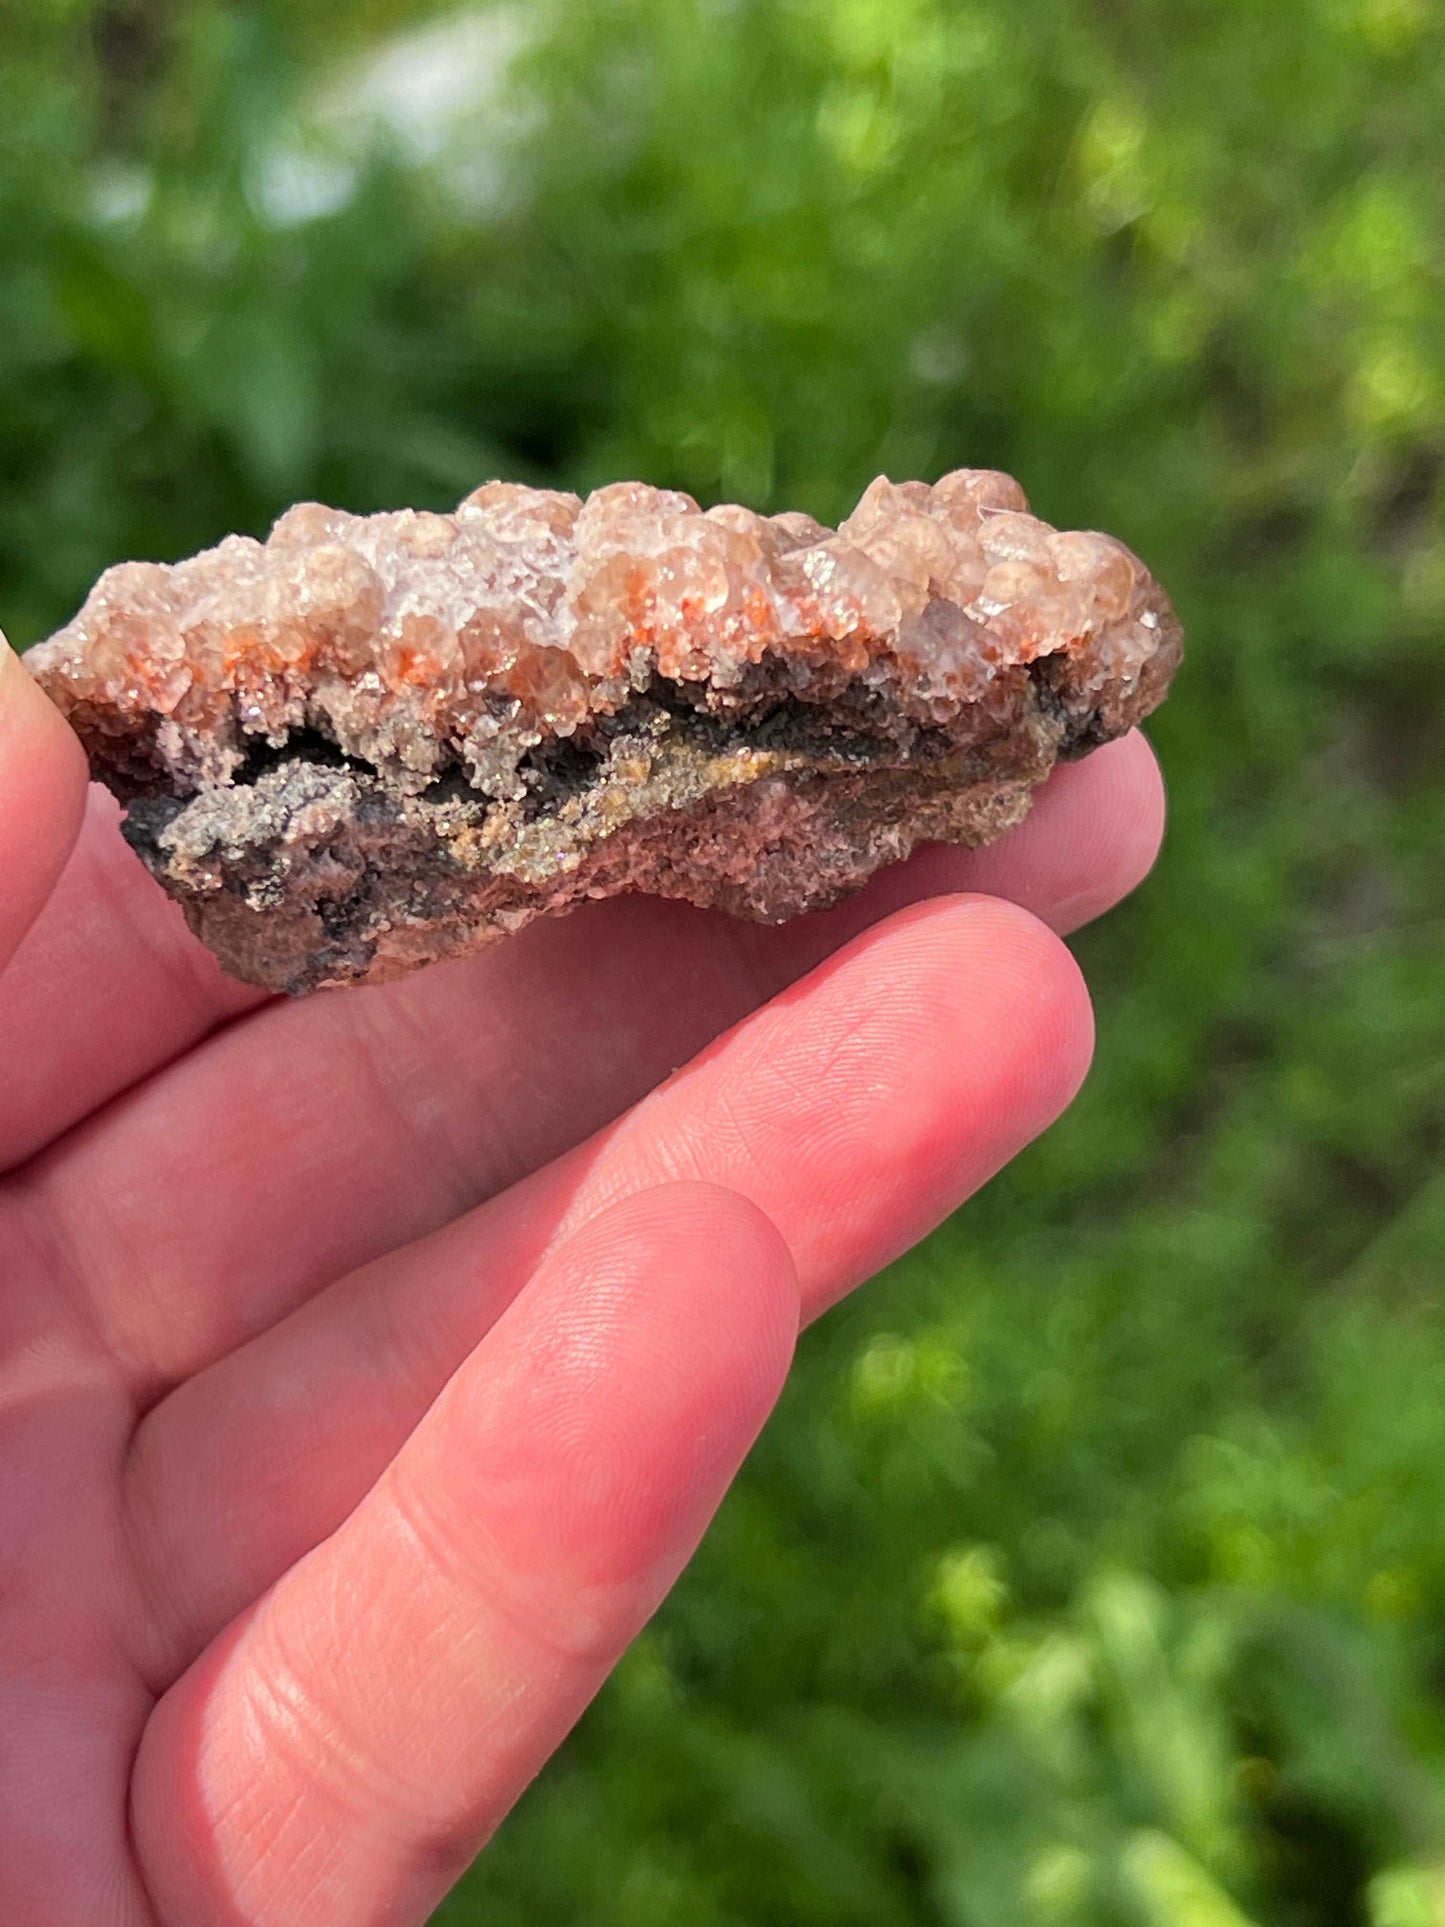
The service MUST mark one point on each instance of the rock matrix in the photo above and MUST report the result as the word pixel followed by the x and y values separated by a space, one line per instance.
pixel 370 742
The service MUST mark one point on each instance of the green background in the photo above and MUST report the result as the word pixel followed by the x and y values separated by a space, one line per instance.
pixel 1094 1568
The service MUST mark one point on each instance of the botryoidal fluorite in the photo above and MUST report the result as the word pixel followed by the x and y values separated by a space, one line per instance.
pixel 375 741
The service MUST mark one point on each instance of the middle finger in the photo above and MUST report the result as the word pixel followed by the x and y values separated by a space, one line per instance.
pixel 310 1138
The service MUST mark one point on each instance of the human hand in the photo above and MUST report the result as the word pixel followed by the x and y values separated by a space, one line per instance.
pixel 368 1371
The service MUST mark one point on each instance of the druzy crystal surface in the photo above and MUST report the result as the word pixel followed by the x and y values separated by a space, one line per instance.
pixel 370 742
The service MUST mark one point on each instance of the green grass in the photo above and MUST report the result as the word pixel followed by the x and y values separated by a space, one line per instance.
pixel 1093 1571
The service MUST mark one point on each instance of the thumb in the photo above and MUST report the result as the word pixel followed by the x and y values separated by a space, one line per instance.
pixel 42 797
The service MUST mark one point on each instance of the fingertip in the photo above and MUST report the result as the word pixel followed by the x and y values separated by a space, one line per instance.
pixel 1091 837
pixel 1056 1028
pixel 1018 994
pixel 1132 825
pixel 727 1264
pixel 43 778
pixel 1096 832
pixel 29 720
pixel 961 1029
pixel 1066 1028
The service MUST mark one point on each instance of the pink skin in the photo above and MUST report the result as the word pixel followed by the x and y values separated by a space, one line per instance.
pixel 370 1367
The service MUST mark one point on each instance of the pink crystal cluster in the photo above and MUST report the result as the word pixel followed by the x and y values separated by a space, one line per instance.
pixel 418 641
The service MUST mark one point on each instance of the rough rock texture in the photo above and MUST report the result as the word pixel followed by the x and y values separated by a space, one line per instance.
pixel 371 742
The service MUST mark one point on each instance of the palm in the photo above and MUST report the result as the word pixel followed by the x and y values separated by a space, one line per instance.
pixel 368 1369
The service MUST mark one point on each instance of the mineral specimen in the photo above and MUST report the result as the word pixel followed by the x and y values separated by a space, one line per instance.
pixel 371 742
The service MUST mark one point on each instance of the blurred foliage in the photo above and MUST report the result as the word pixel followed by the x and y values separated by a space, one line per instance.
pixel 1093 1572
